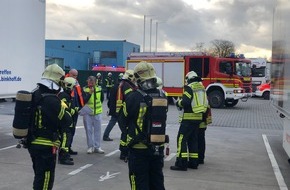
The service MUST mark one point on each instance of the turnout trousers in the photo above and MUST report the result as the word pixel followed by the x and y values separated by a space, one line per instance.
pixel 43 164
pixel 187 144
pixel 201 144
pixel 145 169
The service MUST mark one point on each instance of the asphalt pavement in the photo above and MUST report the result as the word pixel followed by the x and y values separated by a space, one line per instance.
pixel 244 152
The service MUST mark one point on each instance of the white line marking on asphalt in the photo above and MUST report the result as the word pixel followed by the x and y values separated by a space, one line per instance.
pixel 108 176
pixel 274 163
pixel 80 169
pixel 111 153
pixel 169 157
pixel 13 146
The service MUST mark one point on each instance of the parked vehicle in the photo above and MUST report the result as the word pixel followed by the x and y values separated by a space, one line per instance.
pixel 227 79
pixel 260 72
pixel 280 69
pixel 103 68
pixel 22 37
pixel 263 90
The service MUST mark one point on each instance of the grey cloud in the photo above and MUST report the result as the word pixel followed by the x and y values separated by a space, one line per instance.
pixel 242 22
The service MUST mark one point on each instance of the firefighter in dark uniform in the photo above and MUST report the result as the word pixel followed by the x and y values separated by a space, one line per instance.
pixel 49 118
pixel 67 135
pixel 78 102
pixel 140 114
pixel 112 109
pixel 109 84
pixel 127 85
pixel 99 80
pixel 194 104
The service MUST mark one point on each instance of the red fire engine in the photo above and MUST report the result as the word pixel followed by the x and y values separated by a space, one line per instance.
pixel 227 80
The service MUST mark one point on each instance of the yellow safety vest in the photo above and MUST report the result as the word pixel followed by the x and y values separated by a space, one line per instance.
pixel 199 101
pixel 95 100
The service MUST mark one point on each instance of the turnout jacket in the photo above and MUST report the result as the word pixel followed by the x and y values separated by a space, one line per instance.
pixel 133 115
pixel 124 88
pixel 193 98
pixel 49 118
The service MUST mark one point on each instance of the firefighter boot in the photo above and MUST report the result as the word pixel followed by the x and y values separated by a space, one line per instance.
pixel 193 163
pixel 180 165
pixel 64 158
pixel 71 152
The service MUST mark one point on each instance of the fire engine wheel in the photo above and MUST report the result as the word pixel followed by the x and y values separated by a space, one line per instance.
pixel 231 103
pixel 216 99
pixel 266 95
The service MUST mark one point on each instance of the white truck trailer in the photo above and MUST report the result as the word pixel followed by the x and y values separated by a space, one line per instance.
pixel 22 37
pixel 280 68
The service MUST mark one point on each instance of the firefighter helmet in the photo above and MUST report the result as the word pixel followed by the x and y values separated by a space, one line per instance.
pixel 99 74
pixel 144 71
pixel 53 72
pixel 192 77
pixel 69 83
pixel 159 83
pixel 120 76
pixel 129 75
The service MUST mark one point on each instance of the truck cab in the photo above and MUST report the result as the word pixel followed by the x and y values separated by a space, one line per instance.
pixel 227 80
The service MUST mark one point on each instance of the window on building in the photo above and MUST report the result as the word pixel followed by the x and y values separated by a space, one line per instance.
pixel 108 54
pixel 52 60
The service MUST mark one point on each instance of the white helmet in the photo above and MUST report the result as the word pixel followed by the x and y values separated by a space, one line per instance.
pixel 192 75
pixel 69 83
pixel 120 76
pixel 109 74
pixel 99 74
pixel 129 75
pixel 159 83
pixel 53 72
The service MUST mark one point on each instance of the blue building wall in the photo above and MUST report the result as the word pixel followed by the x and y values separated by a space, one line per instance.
pixel 83 54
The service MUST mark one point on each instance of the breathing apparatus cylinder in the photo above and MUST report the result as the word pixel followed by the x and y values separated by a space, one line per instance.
pixel 22 117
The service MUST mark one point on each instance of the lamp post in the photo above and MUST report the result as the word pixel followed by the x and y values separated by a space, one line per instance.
pixel 144 33
pixel 156 36
pixel 150 34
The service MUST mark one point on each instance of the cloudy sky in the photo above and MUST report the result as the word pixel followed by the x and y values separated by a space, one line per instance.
pixel 182 24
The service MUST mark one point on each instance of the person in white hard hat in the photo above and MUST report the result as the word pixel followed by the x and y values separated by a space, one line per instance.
pixel 99 79
pixel 127 85
pixel 193 105
pixel 67 135
pixel 109 84
pixel 50 119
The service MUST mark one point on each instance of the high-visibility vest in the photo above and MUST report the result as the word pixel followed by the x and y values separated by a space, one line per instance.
pixel 199 101
pixel 95 100
pixel 109 82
